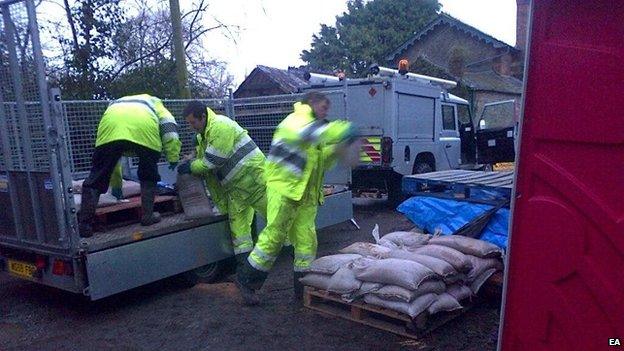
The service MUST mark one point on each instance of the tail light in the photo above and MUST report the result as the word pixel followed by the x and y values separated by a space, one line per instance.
pixel 41 262
pixel 386 151
pixel 60 267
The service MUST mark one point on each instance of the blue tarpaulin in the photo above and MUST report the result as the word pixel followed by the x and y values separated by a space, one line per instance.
pixel 430 214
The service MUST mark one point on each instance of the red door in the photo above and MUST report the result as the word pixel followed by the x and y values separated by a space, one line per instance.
pixel 565 282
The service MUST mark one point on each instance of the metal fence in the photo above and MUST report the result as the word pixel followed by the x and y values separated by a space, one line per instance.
pixel 37 210
pixel 260 116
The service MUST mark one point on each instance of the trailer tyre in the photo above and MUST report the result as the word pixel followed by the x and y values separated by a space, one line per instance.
pixel 209 273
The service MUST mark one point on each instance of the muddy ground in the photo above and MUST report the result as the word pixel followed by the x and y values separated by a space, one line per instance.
pixel 163 316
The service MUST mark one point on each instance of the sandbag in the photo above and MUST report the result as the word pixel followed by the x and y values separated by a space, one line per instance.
pixel 407 239
pixel 455 278
pixel 320 281
pixel 468 246
pixel 105 200
pixel 480 265
pixel 412 309
pixel 193 196
pixel 458 260
pixel 130 188
pixel 397 293
pixel 341 282
pixel 440 267
pixel 459 291
pixel 332 263
pixel 404 273
pixel 367 249
pixel 475 286
pixel 444 302
pixel 365 288
pixel 389 244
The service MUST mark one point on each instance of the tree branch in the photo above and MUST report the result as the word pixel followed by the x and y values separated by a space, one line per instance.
pixel 193 38
pixel 130 63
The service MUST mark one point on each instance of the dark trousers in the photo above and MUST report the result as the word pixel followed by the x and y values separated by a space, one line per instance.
pixel 105 158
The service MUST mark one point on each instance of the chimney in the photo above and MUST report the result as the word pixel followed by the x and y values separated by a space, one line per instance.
pixel 522 23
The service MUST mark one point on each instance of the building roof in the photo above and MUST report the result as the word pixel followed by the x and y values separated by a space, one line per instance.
pixel 492 81
pixel 447 19
pixel 484 80
pixel 288 81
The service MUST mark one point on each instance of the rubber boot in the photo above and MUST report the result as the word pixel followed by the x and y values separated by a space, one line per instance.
pixel 298 287
pixel 249 280
pixel 148 194
pixel 86 215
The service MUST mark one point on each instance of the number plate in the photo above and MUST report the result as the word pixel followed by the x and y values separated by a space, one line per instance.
pixel 21 269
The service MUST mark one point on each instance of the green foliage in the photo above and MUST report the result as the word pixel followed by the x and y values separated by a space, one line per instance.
pixel 367 33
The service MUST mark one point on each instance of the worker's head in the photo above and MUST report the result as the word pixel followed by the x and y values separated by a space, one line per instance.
pixel 195 115
pixel 319 103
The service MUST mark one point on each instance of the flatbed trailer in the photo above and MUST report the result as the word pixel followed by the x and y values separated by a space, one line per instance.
pixel 46 144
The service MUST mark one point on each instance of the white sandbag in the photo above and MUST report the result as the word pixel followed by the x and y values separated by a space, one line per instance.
pixel 344 282
pixel 475 286
pixel 389 244
pixel 412 309
pixel 130 188
pixel 320 281
pixel 480 265
pixel 458 260
pixel 468 246
pixel 407 274
pixel 341 282
pixel 367 249
pixel 407 239
pixel 193 197
pixel 440 267
pixel 397 293
pixel 332 263
pixel 105 200
pixel 455 278
pixel 459 291
pixel 444 302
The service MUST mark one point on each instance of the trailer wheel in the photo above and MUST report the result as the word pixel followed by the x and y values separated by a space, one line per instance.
pixel 209 273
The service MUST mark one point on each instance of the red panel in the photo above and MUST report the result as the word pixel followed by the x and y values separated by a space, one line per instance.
pixel 565 288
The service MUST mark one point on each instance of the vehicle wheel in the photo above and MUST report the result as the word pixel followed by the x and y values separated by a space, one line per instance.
pixel 422 167
pixel 209 273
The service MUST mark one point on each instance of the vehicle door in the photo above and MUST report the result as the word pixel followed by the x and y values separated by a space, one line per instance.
pixel 496 133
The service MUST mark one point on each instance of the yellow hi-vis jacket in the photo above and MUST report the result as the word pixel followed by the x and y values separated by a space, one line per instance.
pixel 301 146
pixel 229 161
pixel 141 119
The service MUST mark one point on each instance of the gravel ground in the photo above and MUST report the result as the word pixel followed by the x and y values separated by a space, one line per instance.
pixel 210 317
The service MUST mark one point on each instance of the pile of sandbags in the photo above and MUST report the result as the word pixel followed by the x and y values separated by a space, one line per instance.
pixel 409 272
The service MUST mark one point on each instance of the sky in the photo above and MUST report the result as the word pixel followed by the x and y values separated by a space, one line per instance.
pixel 274 32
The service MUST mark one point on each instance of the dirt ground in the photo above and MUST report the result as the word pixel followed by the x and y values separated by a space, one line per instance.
pixel 162 316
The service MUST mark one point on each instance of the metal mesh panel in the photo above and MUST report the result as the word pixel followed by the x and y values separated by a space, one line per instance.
pixel 259 115
pixel 14 20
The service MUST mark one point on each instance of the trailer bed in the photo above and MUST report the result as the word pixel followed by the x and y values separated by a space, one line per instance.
pixel 136 232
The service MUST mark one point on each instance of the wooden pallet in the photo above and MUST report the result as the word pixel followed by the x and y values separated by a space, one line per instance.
pixel 130 212
pixel 374 316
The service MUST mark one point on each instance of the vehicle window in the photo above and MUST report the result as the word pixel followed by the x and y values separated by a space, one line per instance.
pixel 497 116
pixel 448 117
pixel 463 114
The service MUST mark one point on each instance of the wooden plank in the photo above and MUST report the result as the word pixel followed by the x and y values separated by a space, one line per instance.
pixel 375 316
pixel 133 202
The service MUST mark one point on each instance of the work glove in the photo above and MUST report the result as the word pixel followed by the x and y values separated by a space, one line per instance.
pixel 173 165
pixel 184 168
pixel 117 193
pixel 352 135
